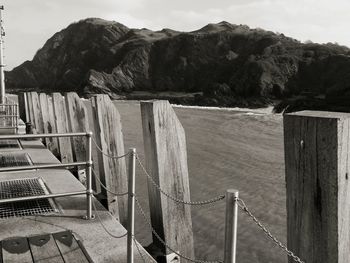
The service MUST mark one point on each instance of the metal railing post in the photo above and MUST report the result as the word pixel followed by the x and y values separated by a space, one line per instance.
pixel 131 205
pixel 89 191
pixel 231 226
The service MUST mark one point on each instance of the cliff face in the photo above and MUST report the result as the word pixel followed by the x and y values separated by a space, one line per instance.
pixel 223 61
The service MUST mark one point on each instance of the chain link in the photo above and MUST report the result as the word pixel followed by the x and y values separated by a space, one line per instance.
pixel 105 187
pixel 106 154
pixel 245 209
pixel 103 226
pixel 175 199
pixel 163 242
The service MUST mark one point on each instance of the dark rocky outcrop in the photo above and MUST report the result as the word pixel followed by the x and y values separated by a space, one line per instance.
pixel 231 65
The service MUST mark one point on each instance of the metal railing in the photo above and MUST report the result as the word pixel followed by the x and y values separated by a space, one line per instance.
pixel 87 164
pixel 9 115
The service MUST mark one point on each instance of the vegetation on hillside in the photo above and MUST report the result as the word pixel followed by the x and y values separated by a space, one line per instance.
pixel 229 65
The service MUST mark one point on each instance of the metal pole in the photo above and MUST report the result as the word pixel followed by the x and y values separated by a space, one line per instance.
pixel 89 191
pixel 131 206
pixel 2 76
pixel 231 226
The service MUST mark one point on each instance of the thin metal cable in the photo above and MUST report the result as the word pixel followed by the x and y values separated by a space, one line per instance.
pixel 175 199
pixel 104 227
pixel 106 154
pixel 105 187
pixel 164 243
pixel 245 209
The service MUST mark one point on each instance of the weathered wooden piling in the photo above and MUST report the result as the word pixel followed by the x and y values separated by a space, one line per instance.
pixel 166 161
pixel 53 145
pixel 37 120
pixel 31 117
pixel 317 149
pixel 109 137
pixel 77 122
pixel 23 106
pixel 49 125
pixel 60 114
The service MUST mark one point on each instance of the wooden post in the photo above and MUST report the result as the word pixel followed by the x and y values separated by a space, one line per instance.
pixel 53 145
pixel 77 122
pixel 166 161
pixel 45 115
pixel 61 120
pixel 31 118
pixel 317 149
pixel 109 138
pixel 23 106
pixel 231 226
pixel 37 113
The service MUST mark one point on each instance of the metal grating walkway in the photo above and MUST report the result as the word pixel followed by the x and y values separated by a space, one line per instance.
pixel 9 144
pixel 23 188
pixel 12 159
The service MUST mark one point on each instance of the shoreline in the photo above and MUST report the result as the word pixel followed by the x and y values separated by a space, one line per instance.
pixel 257 111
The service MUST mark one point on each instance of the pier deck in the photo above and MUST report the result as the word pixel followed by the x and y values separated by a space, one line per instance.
pixel 99 245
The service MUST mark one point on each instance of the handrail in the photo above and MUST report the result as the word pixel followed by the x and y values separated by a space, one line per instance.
pixel 38 197
pixel 87 164
pixel 43 135
pixel 43 166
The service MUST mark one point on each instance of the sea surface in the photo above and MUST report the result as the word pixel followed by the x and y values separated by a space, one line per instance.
pixel 227 148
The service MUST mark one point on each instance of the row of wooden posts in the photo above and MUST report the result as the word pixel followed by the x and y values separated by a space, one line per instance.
pixel 317 149
pixel 165 155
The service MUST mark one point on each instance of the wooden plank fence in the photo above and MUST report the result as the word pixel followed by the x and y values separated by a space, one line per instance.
pixel 165 151
pixel 62 114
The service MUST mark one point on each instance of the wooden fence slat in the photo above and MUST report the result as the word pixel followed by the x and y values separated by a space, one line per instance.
pixel 166 160
pixel 52 145
pixel 30 108
pixel 23 106
pixel 61 118
pixel 45 115
pixel 44 249
pixel 77 122
pixel 69 247
pixel 316 161
pixel 16 250
pixel 37 113
pixel 109 136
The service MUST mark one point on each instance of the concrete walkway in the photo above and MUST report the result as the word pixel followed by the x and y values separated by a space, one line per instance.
pixel 100 246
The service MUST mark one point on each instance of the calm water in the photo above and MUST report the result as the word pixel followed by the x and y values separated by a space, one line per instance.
pixel 226 149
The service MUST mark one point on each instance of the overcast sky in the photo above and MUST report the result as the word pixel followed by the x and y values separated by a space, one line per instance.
pixel 29 23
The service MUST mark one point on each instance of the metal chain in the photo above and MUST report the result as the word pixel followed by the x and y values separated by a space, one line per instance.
pixel 164 243
pixel 103 226
pixel 175 199
pixel 105 187
pixel 245 209
pixel 106 154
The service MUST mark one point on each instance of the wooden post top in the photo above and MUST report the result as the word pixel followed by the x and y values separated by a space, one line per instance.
pixel 320 114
